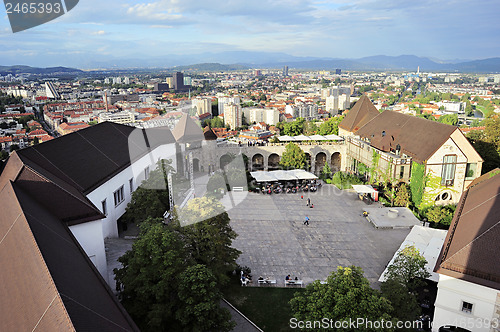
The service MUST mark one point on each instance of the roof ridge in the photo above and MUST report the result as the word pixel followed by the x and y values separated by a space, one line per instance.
pixel 42 259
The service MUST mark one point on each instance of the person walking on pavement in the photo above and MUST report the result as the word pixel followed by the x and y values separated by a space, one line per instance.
pixel 306 221
pixel 308 202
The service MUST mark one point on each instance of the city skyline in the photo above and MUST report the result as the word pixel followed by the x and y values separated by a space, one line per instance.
pixel 119 30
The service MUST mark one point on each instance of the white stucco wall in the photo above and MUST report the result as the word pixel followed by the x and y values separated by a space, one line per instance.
pixel 90 237
pixel 448 306
pixel 135 171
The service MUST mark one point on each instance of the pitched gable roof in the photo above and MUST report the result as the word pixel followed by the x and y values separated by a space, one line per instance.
pixel 471 250
pixel 47 281
pixel 418 138
pixel 362 112
pixel 89 157
pixel 209 134
pixel 187 130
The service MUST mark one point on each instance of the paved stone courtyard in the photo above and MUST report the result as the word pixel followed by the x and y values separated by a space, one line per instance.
pixel 275 242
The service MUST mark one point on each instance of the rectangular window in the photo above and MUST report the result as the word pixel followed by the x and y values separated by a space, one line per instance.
pixel 402 172
pixel 146 173
pixel 467 307
pixel 131 185
pixel 119 197
pixel 448 172
pixel 104 207
pixel 470 171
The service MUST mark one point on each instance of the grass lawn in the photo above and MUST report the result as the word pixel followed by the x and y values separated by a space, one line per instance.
pixel 267 307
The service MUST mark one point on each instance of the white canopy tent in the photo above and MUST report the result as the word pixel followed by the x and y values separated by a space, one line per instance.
pixel 363 189
pixel 283 175
pixel 302 175
pixel 300 138
pixel 333 138
pixel 286 138
pixel 317 138
pixel 263 176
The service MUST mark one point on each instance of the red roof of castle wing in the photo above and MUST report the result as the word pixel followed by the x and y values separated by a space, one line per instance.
pixel 471 251
pixel 361 113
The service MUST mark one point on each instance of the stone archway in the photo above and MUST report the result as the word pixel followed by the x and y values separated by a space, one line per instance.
pixel 258 162
pixel 273 162
pixel 225 160
pixel 336 162
pixel 196 165
pixel 320 161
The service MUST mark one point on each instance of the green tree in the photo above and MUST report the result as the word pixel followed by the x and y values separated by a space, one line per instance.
pixel 208 236
pixel 216 122
pixel 3 155
pixel 402 197
pixel 404 304
pixel 346 295
pixel 310 128
pixel 14 147
pixel 148 279
pixel 145 202
pixel 486 149
pixel 331 126
pixel 294 128
pixel 408 268
pixel 326 172
pixel 440 214
pixel 492 131
pixel 293 157
pixel 450 119
pixel 199 296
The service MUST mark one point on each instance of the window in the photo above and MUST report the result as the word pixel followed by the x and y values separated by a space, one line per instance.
pixel 470 171
pixel 131 184
pixel 402 172
pixel 467 307
pixel 119 197
pixel 448 172
pixel 146 173
pixel 104 208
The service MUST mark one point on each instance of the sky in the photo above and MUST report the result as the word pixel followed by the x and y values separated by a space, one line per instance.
pixel 112 30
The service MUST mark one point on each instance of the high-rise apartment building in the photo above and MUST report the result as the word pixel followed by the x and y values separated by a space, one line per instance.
pixel 202 105
pixel 222 101
pixel 257 115
pixel 285 71
pixel 232 115
pixel 178 79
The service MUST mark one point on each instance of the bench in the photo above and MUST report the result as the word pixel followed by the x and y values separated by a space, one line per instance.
pixel 267 282
pixel 235 189
pixel 293 283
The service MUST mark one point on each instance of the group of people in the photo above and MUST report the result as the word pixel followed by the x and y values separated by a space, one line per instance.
pixel 288 278
pixel 245 279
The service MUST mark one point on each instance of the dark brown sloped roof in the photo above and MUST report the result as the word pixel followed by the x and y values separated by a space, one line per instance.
pixel 418 138
pixel 187 130
pixel 29 295
pixel 47 279
pixel 209 134
pixel 87 158
pixel 471 251
pixel 362 112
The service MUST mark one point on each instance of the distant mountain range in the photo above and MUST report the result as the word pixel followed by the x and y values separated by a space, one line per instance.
pixel 240 60
pixel 5 70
